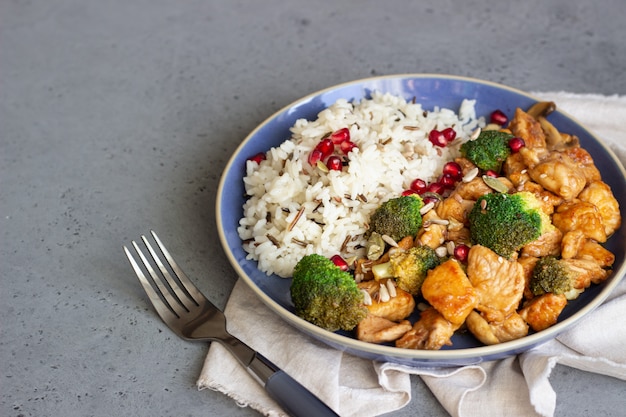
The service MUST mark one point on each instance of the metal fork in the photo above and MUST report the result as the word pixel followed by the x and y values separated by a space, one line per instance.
pixel 192 316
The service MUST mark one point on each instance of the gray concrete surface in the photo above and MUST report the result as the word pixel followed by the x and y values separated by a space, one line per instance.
pixel 118 116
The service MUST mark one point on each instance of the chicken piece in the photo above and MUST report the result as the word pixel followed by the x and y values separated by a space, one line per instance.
pixel 374 329
pixel 499 283
pixel 513 327
pixel 450 292
pixel 558 173
pixel 592 250
pixel 406 243
pixel 515 169
pixel 572 242
pixel 549 201
pixel 433 230
pixel 528 265
pixel 528 128
pixel 584 161
pixel 543 311
pixel 466 164
pixel 589 271
pixel 600 195
pixel 432 331
pixel 548 243
pixel 580 215
pixel 455 207
pixel 460 236
pixel 398 307
pixel 475 188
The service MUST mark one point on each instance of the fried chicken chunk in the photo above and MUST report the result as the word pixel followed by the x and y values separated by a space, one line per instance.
pixel 547 244
pixel 433 234
pixel 450 292
pixel 543 311
pixel 594 251
pixel 582 216
pixel 396 308
pixel 499 283
pixel 374 329
pixel 584 161
pixel 513 327
pixel 432 331
pixel 555 171
pixel 455 207
pixel 600 195
pixel 528 128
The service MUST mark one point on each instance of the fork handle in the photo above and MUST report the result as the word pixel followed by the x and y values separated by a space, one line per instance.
pixel 293 397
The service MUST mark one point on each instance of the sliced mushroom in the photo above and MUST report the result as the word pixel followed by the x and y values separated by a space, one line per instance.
pixel 543 108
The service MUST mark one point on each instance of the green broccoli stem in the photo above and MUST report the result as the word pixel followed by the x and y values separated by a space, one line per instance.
pixel 382 271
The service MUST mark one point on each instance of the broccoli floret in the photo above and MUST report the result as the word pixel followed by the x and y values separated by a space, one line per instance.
pixel 506 222
pixel 325 295
pixel 398 217
pixel 556 276
pixel 409 268
pixel 489 150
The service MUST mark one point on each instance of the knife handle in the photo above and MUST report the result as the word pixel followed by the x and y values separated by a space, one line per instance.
pixel 293 397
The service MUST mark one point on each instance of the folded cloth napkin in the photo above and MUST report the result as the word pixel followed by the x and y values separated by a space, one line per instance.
pixel 354 386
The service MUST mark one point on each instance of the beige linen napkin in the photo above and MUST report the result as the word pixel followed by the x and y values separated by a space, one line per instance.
pixel 357 387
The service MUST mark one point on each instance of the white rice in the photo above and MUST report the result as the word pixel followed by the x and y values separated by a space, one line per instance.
pixel 337 204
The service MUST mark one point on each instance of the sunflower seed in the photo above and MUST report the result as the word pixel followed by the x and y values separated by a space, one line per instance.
pixel 367 299
pixel 391 287
pixel 383 294
pixel 471 174
pixel 441 251
pixel 475 134
pixel 389 240
pixel 426 208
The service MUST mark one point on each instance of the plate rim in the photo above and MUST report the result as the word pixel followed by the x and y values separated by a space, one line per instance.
pixel 389 352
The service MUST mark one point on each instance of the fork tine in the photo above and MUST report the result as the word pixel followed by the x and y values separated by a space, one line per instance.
pixel 171 300
pixel 189 286
pixel 163 310
pixel 181 295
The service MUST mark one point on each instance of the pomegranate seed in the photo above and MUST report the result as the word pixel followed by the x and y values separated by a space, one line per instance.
pixel 449 134
pixel 453 169
pixel 258 157
pixel 419 185
pixel 461 252
pixel 516 144
pixel 498 117
pixel 340 262
pixel 315 156
pixel 437 138
pixel 408 192
pixel 347 146
pixel 326 147
pixel 436 187
pixel 334 162
pixel 491 173
pixel 447 181
pixel 340 136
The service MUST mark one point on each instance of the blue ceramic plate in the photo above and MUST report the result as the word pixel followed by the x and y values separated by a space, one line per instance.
pixel 430 91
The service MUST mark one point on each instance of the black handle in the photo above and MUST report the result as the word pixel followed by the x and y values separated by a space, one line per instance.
pixel 295 399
